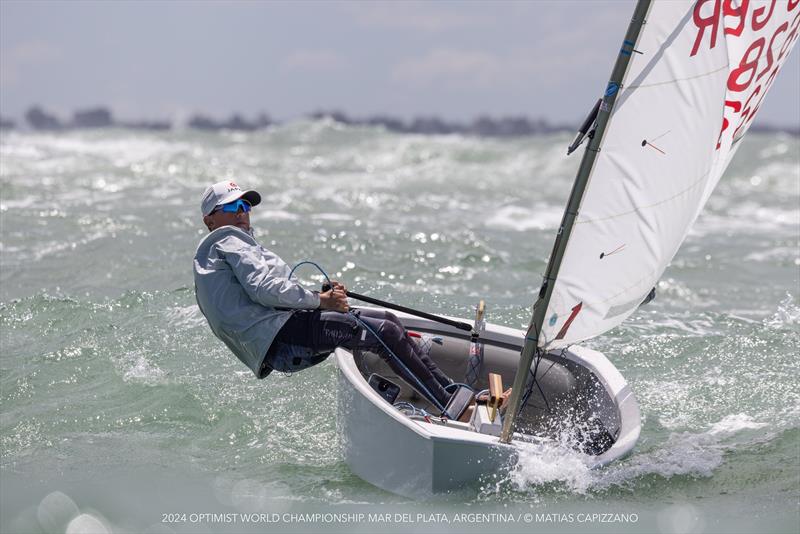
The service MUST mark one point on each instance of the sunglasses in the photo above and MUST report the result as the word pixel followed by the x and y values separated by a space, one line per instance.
pixel 233 207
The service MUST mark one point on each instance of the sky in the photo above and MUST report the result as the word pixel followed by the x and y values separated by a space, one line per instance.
pixel 455 60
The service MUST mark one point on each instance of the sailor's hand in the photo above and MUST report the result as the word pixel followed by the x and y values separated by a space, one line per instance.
pixel 333 299
pixel 338 285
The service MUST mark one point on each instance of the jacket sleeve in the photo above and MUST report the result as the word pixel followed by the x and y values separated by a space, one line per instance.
pixel 264 278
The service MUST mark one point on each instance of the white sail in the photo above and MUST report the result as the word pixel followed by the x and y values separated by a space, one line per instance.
pixel 697 77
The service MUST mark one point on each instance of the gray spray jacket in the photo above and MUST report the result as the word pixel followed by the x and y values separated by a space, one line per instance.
pixel 245 293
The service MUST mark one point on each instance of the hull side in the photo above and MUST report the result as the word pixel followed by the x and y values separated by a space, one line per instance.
pixel 401 455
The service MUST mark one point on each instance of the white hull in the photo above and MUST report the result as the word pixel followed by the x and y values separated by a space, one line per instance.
pixel 414 458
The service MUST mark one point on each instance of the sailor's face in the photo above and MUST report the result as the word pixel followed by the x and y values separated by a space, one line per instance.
pixel 219 218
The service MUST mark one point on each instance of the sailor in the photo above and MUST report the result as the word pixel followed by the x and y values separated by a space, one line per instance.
pixel 269 321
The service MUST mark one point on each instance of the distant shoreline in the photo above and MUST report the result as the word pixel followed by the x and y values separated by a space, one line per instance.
pixel 37 119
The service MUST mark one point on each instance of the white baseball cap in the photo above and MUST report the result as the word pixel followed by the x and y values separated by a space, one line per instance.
pixel 223 192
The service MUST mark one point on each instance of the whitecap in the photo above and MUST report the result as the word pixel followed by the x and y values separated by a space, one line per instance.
pixel 522 219
pixel 745 218
pixel 788 314
pixel 731 424
pixel 774 255
pixel 273 215
pixel 332 217
pixel 143 371
pixel 185 316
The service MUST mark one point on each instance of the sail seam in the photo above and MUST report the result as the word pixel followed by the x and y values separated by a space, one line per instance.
pixel 664 201
pixel 676 80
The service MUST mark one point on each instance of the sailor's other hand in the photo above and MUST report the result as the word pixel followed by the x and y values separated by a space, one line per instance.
pixel 333 299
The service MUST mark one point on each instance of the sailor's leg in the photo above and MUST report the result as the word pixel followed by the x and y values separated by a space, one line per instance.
pixel 410 366
pixel 293 348
pixel 309 337
pixel 288 358
pixel 423 355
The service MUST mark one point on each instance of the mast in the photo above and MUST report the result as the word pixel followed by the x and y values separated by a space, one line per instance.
pixel 570 214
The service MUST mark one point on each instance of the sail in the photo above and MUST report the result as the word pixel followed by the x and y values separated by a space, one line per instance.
pixel 697 76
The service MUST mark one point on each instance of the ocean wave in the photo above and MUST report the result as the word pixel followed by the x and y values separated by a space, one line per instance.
pixel 185 316
pixel 746 217
pixel 521 219
pixel 137 368
pixel 786 316
pixel 123 150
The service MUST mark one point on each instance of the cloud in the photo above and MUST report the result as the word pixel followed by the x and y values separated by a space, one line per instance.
pixel 315 60
pixel 472 69
pixel 545 63
pixel 416 16
pixel 17 58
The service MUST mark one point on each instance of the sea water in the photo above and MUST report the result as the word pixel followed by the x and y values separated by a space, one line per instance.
pixel 121 412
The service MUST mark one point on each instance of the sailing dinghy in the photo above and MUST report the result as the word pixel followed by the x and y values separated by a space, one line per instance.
pixel 688 80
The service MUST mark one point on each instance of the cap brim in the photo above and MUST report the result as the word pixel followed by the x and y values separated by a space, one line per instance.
pixel 252 197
